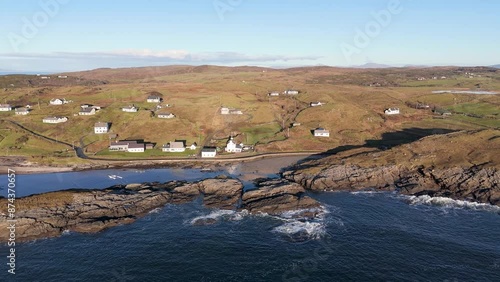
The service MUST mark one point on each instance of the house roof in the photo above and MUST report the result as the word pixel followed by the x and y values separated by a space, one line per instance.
pixel 209 150
pixel 5 106
pixel 321 130
pixel 164 114
pixel 136 145
pixel 101 124
pixel 86 110
pixel 53 118
pixel 123 142
pixel 21 110
pixel 176 145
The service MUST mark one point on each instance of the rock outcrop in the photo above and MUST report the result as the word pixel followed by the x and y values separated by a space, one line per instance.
pixel 276 196
pixel 88 211
pixel 475 183
pixel 461 165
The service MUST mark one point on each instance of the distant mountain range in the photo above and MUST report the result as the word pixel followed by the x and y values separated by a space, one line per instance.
pixel 365 66
pixel 373 66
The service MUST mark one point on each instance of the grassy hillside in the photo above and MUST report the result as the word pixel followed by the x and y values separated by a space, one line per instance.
pixel 463 149
pixel 354 100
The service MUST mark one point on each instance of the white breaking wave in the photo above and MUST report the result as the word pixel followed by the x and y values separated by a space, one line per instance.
pixel 367 192
pixel 297 225
pixel 450 203
pixel 157 210
pixel 217 215
pixel 301 229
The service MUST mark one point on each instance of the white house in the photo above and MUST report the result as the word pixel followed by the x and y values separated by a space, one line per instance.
pixel 165 115
pixel 22 111
pixel 228 111
pixel 120 145
pixel 62 76
pixel 316 104
pixel 290 92
pixel 174 147
pixel 193 146
pixel 89 106
pixel 130 109
pixel 153 99
pixel 88 111
pixel 321 132
pixel 392 111
pixel 101 127
pixel 136 148
pixel 55 119
pixel 273 94
pixel 232 147
pixel 58 101
pixel 208 152
pixel 5 107
pixel 235 112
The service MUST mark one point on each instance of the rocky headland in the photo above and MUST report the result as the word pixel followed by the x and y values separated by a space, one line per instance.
pixel 89 211
pixel 461 165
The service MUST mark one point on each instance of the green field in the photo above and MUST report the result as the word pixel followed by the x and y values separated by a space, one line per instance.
pixel 352 110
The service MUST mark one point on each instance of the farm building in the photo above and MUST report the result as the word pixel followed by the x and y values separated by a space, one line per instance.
pixel 154 99
pixel 130 109
pixel 55 119
pixel 321 132
pixel 392 111
pixel 22 111
pixel 58 101
pixel 165 115
pixel 291 92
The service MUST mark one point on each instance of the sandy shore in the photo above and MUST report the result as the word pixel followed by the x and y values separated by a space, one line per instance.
pixel 250 168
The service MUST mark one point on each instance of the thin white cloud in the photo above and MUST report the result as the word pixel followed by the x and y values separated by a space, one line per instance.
pixel 70 61
pixel 168 55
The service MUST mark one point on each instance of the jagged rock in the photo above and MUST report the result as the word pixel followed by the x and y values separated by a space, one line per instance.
pixel 88 211
pixel 221 193
pixel 277 197
pixel 348 177
pixel 473 183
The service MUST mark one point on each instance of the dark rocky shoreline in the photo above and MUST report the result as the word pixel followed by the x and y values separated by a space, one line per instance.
pixel 434 166
pixel 475 183
pixel 89 211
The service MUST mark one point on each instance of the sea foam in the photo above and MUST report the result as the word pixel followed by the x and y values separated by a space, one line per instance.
pixel 218 215
pixel 298 228
pixel 450 203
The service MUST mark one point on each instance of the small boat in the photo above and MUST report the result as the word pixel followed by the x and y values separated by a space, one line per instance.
pixel 114 176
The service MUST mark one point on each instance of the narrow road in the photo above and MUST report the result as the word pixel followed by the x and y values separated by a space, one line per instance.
pixel 78 150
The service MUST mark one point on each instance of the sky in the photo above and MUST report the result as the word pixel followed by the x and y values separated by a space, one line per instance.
pixel 72 35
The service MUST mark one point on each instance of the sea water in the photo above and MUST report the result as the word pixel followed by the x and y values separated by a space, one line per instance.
pixel 356 237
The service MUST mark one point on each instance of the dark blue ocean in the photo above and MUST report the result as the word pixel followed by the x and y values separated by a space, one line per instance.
pixel 360 237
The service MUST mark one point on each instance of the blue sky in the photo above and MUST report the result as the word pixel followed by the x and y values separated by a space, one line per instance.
pixel 63 35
